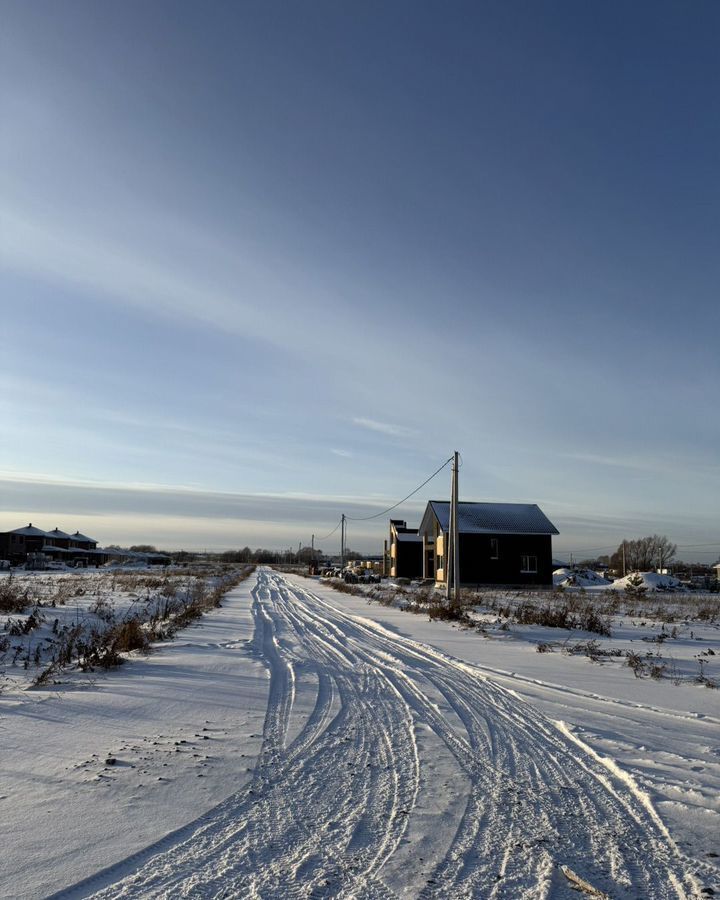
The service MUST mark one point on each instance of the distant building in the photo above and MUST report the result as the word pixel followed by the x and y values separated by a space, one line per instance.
pixel 82 541
pixel 499 543
pixel 15 545
pixel 406 551
pixel 33 545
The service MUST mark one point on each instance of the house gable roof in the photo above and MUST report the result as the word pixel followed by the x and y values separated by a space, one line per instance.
pixel 409 536
pixel 29 531
pixel 490 518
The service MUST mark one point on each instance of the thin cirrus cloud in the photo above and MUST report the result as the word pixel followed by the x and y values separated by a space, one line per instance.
pixel 702 466
pixel 253 295
pixel 175 517
pixel 53 251
pixel 205 518
pixel 384 427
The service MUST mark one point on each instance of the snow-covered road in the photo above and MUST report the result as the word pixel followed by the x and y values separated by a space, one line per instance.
pixel 389 769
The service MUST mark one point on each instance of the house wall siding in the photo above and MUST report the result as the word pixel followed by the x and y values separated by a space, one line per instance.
pixel 477 566
pixel 409 560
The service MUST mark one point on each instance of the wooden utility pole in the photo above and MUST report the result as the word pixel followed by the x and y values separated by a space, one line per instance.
pixel 452 551
pixel 448 550
pixel 456 531
pixel 342 542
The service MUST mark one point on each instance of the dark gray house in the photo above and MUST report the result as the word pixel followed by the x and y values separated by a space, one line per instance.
pixel 28 544
pixel 15 545
pixel 499 543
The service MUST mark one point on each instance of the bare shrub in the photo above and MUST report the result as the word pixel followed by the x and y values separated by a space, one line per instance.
pixel 129 636
pixel 574 613
pixel 17 627
pixel 63 592
pixel 168 589
pixel 453 612
pixel 591 649
pixel 636 663
pixel 551 616
pixel 657 670
pixel 103 610
pixel 708 611
pixel 703 678
pixel 344 588
pixel 590 620
pixel 13 599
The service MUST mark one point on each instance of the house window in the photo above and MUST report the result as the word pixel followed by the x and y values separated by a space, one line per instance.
pixel 439 562
pixel 494 554
pixel 528 564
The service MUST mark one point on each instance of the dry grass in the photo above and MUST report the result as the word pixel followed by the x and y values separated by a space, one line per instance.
pixel 342 587
pixel 14 597
pixel 169 603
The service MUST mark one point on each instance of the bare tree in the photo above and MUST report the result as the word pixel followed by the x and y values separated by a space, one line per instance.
pixel 307 554
pixel 663 550
pixel 643 554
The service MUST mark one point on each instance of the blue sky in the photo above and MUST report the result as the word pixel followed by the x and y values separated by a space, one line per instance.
pixel 266 262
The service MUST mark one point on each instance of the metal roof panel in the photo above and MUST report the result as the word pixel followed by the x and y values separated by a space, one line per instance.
pixel 495 518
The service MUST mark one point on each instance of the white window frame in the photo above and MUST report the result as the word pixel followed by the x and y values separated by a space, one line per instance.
pixel 526 563
pixel 494 548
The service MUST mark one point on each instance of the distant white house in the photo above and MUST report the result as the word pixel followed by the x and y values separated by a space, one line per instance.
pixel 717 570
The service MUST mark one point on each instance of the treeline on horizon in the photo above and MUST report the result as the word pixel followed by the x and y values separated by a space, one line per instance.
pixel 645 554
pixel 244 555
pixel 287 557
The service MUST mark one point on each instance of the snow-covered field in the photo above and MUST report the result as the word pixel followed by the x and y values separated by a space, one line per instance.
pixel 302 742
pixel 666 634
pixel 52 621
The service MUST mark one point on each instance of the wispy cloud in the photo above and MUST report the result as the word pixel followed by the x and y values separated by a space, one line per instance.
pixel 108 269
pixel 384 427
pixel 345 454
pixel 646 463
pixel 46 495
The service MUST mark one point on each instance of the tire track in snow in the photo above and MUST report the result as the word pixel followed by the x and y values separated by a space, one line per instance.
pixel 327 809
pixel 623 837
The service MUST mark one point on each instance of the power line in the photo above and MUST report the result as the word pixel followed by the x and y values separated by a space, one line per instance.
pixel 400 502
pixel 614 547
pixel 693 546
pixel 390 508
pixel 331 533
pixel 586 549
